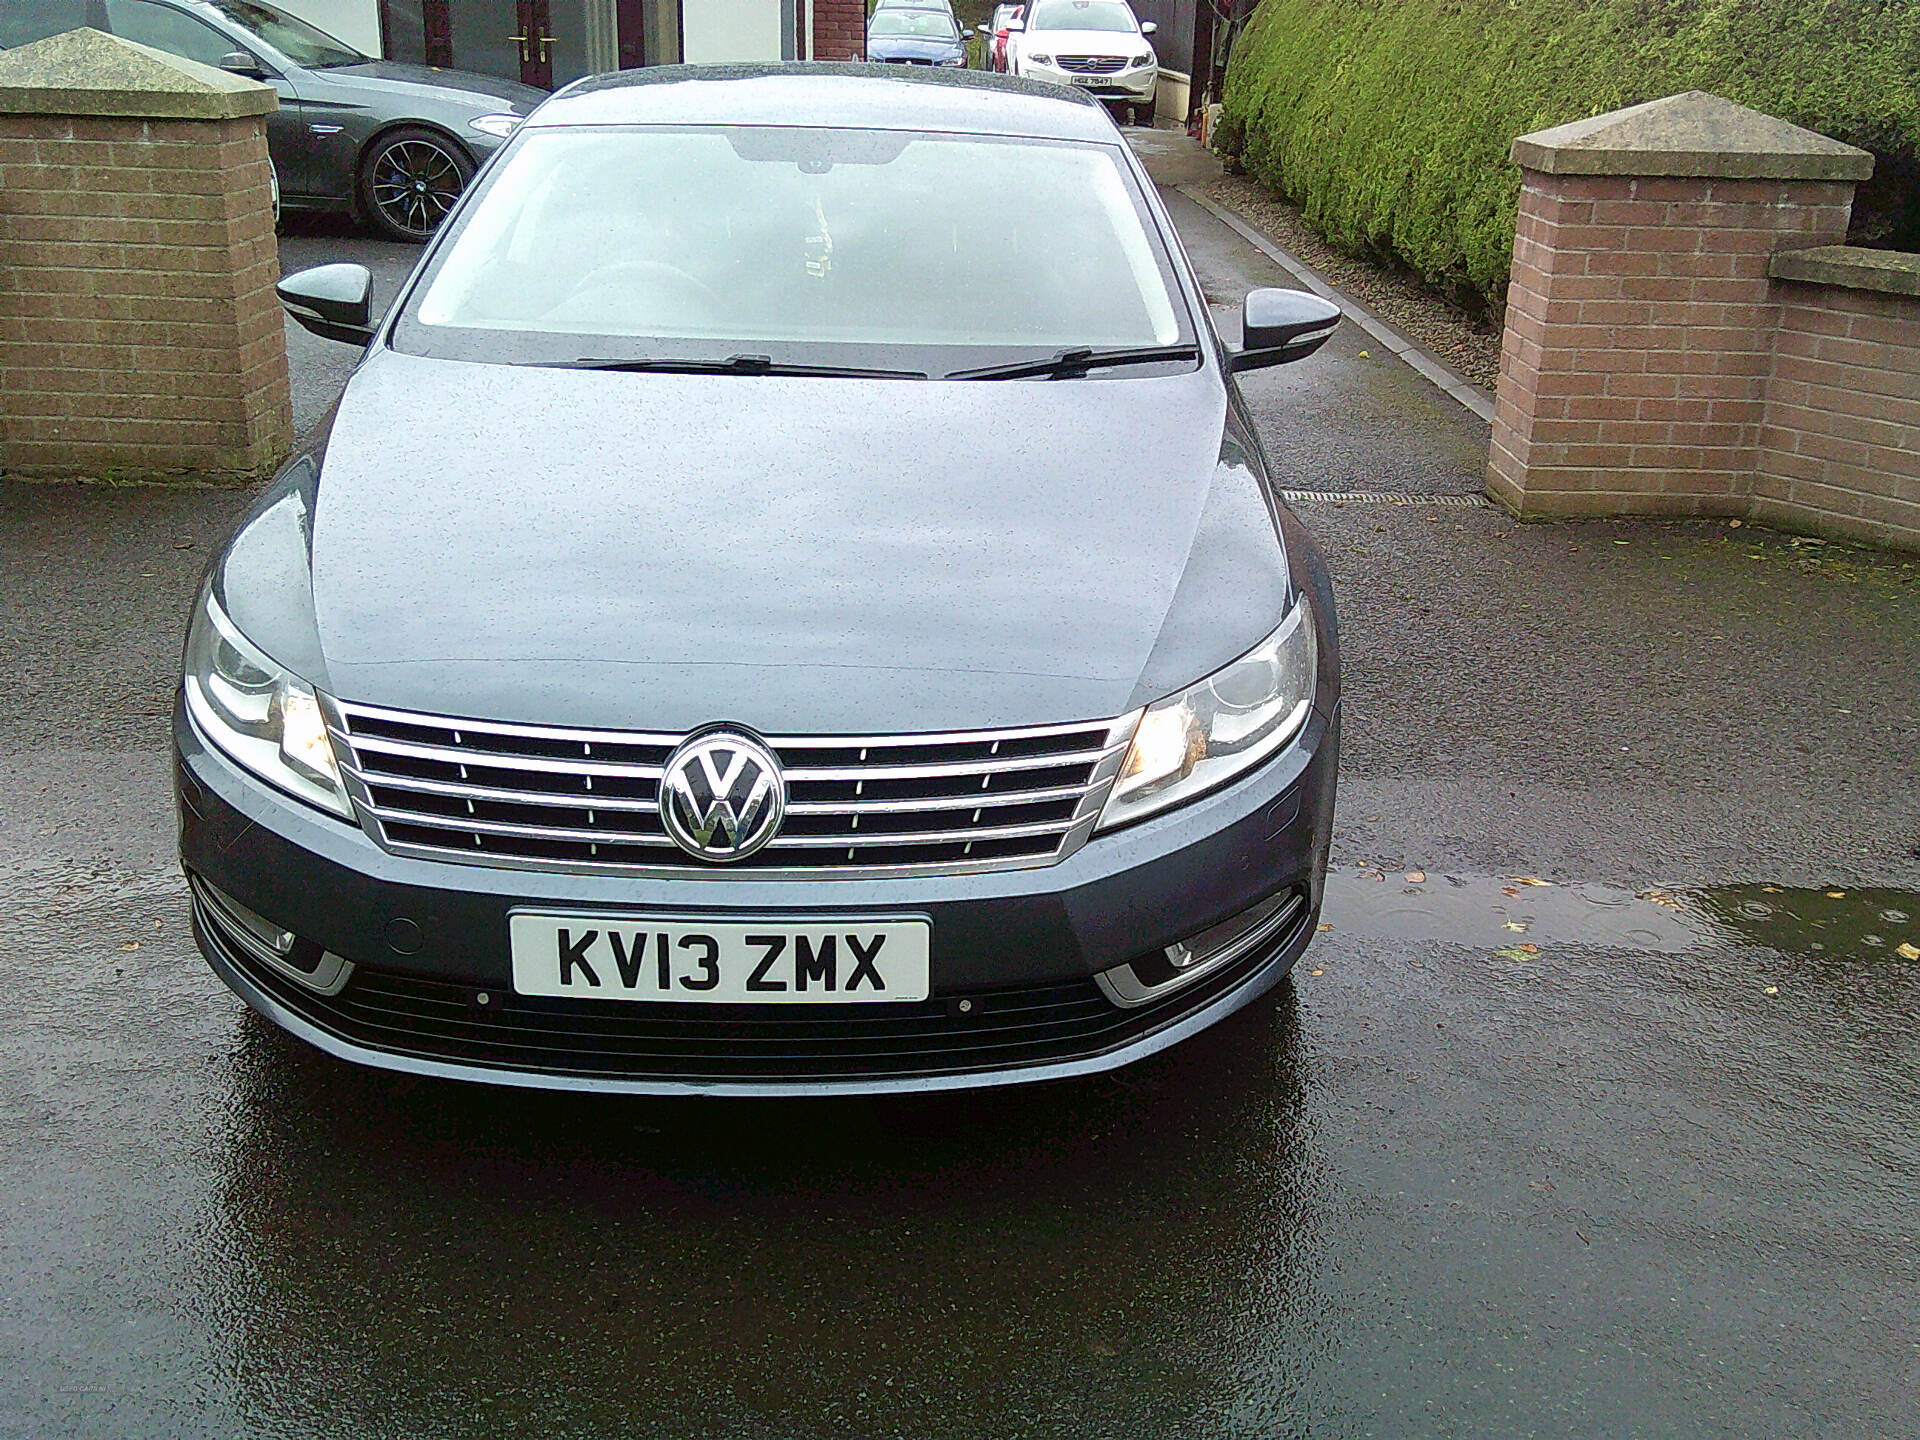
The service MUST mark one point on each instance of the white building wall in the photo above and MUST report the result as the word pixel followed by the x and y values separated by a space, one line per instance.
pixel 355 21
pixel 722 30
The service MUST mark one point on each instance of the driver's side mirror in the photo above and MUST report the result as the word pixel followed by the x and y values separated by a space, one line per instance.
pixel 335 302
pixel 1279 326
pixel 239 62
pixel 1148 27
pixel 1014 27
pixel 983 30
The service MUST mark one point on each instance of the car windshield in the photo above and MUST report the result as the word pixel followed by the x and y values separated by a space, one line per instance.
pixel 885 249
pixel 294 38
pixel 929 24
pixel 1082 15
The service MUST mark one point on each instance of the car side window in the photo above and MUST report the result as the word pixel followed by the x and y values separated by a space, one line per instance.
pixel 24 21
pixel 165 28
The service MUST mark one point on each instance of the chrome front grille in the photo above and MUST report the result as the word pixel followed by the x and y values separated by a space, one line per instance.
pixel 553 798
pixel 1091 64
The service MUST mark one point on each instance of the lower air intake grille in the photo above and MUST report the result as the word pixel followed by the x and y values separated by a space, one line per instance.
pixel 1009 1028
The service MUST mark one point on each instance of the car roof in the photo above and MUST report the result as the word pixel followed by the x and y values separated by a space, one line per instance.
pixel 853 96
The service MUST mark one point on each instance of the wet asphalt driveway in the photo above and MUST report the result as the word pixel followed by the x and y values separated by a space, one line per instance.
pixel 1630 1153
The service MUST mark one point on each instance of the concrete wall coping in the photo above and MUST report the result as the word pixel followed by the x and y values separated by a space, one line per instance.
pixel 1892 272
pixel 1691 134
pixel 86 72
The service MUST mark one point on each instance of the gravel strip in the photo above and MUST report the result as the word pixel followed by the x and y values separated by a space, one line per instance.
pixel 1469 345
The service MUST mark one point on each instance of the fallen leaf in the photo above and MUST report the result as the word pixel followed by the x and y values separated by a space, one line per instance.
pixel 1325 927
pixel 1518 952
pixel 1907 951
pixel 1773 989
pixel 131 945
pixel 1515 925
pixel 1414 877
pixel 1836 894
pixel 1660 897
pixel 1316 972
pixel 1509 890
pixel 1365 356
pixel 1771 889
pixel 1528 880
pixel 1733 524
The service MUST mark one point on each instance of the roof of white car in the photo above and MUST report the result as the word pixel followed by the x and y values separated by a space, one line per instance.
pixel 867 97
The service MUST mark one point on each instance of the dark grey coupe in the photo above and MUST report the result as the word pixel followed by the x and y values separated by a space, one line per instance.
pixel 780 608
pixel 395 144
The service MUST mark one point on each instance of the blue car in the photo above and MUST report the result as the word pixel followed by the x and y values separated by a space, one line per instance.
pixel 900 36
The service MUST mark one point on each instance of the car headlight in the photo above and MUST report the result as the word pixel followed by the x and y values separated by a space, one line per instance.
pixel 956 60
pixel 1038 59
pixel 1142 60
pixel 498 126
pixel 263 718
pixel 1193 742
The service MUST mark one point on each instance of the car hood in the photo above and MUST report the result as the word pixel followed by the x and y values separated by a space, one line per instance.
pixel 796 555
pixel 395 77
pixel 1083 42
pixel 911 47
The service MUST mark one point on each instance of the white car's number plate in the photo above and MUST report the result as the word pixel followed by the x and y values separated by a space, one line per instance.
pixel 849 960
pixel 1087 79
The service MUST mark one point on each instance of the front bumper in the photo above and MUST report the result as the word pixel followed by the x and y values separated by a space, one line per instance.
pixel 1134 86
pixel 1014 962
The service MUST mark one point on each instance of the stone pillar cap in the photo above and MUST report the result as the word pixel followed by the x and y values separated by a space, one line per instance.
pixel 1690 134
pixel 85 72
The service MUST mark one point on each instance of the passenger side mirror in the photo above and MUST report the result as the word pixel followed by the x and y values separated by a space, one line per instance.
pixel 239 62
pixel 1278 326
pixel 335 302
pixel 983 30
pixel 1148 28
pixel 1014 27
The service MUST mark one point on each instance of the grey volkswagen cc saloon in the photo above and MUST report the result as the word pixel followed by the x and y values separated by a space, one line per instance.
pixel 790 602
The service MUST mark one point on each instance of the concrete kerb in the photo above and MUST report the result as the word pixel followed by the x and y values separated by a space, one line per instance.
pixel 1395 341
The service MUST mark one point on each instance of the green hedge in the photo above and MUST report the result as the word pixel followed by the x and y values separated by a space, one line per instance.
pixel 1388 121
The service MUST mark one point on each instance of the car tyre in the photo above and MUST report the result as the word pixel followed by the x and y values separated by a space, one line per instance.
pixel 409 180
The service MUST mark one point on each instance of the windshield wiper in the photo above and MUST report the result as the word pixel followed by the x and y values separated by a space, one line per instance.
pixel 732 365
pixel 1071 364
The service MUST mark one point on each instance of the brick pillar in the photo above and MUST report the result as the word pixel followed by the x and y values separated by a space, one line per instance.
pixel 1640 317
pixel 140 336
pixel 839 30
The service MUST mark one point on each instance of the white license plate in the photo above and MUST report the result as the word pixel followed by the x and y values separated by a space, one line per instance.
pixel 1088 79
pixel 850 960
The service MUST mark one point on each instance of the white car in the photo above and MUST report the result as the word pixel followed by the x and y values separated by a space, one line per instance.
pixel 1095 45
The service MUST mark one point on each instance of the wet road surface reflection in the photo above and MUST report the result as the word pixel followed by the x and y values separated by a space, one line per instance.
pixel 1609 1185
pixel 1523 910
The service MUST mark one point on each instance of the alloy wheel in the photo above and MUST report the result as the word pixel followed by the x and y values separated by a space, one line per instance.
pixel 414 184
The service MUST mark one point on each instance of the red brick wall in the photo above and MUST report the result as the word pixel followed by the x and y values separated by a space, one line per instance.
pixel 1840 442
pixel 139 331
pixel 839 30
pixel 1639 339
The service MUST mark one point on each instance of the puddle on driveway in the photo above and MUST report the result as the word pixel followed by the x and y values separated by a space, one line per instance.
pixel 1517 912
